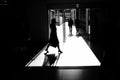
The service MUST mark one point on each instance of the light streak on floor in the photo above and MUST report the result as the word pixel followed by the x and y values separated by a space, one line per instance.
pixel 76 52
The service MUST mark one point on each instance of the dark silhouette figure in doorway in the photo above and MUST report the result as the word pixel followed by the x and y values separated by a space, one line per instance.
pixel 70 23
pixel 77 25
pixel 53 41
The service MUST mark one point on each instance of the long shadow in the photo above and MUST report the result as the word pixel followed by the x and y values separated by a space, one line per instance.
pixel 51 60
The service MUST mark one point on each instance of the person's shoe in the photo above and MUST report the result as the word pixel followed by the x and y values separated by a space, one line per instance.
pixel 60 51
pixel 45 53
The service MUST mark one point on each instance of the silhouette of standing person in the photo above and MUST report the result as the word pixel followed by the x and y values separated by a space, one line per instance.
pixel 77 25
pixel 53 41
pixel 70 23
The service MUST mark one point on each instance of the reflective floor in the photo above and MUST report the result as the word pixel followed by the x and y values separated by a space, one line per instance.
pixel 50 73
pixel 77 62
pixel 76 52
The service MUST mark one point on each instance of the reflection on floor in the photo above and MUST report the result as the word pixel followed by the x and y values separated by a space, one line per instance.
pixel 76 51
pixel 77 74
pixel 52 73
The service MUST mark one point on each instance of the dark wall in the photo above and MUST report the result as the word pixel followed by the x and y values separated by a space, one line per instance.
pixel 12 34
pixel 24 31
pixel 105 33
pixel 37 14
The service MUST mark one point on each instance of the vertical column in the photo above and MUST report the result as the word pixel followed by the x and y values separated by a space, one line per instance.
pixel 89 26
pixel 53 14
pixel 77 10
pixel 72 14
pixel 58 17
pixel 49 15
pixel 64 31
pixel 86 20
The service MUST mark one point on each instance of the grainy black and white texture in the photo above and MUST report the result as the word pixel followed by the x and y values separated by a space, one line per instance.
pixel 24 32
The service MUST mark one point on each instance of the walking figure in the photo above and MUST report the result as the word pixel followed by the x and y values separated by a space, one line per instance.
pixel 77 25
pixel 53 41
pixel 70 23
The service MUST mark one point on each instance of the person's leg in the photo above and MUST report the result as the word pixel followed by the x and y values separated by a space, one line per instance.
pixel 79 32
pixel 47 47
pixel 76 30
pixel 59 48
pixel 71 30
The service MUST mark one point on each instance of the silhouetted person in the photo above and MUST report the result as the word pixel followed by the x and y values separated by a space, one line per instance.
pixel 77 25
pixel 53 41
pixel 70 23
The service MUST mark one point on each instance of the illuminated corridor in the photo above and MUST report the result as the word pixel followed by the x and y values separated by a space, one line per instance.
pixel 76 51
pixel 28 32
